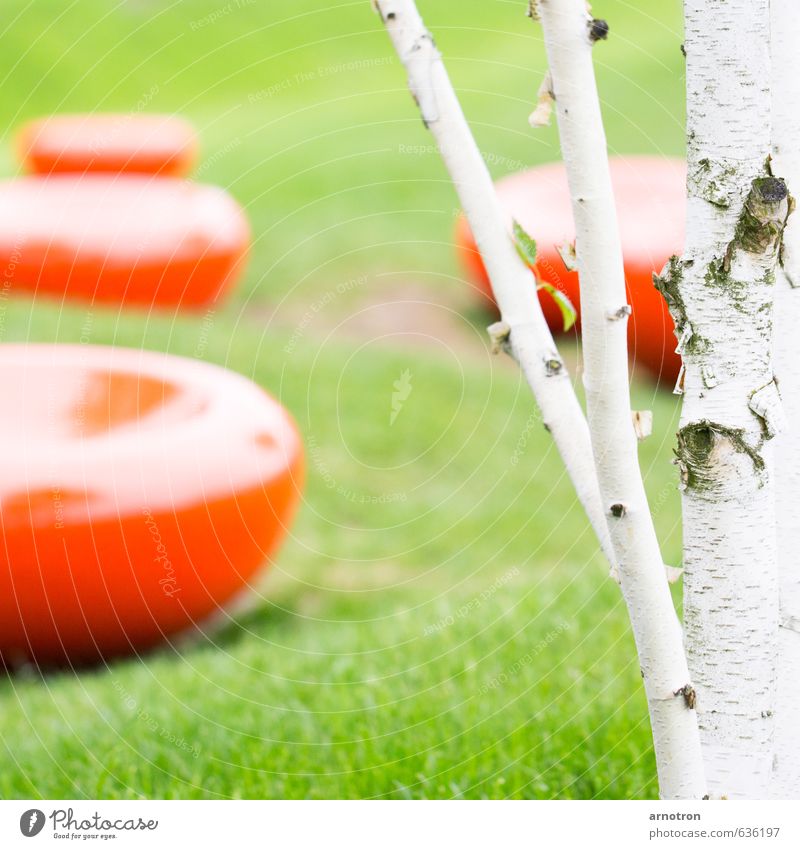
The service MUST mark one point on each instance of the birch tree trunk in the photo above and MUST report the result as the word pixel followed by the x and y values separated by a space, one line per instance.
pixel 569 34
pixel 524 329
pixel 721 298
pixel 786 164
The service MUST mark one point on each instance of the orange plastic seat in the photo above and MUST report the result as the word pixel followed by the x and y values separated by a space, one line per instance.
pixel 144 144
pixel 120 239
pixel 651 198
pixel 139 493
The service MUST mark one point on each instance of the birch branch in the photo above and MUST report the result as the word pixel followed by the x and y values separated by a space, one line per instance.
pixel 569 34
pixel 721 297
pixel 785 26
pixel 523 330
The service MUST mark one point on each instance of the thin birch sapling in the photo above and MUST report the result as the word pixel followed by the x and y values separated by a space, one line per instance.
pixel 523 330
pixel 670 693
pixel 569 34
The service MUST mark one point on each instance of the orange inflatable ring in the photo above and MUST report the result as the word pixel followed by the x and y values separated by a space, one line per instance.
pixel 139 493
pixel 144 144
pixel 123 240
pixel 651 200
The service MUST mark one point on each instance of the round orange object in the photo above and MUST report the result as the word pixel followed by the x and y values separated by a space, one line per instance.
pixel 139 493
pixel 651 200
pixel 123 239
pixel 144 144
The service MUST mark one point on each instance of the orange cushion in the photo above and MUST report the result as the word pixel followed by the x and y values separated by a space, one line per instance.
pixel 121 239
pixel 139 493
pixel 147 144
pixel 651 205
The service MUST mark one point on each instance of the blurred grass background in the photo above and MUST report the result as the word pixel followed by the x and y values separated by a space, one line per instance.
pixel 438 624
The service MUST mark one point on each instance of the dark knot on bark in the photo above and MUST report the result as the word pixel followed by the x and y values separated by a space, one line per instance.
pixel 689 695
pixel 760 226
pixel 598 30
pixel 771 189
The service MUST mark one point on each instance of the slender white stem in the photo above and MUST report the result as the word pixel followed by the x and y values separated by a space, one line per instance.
pixel 721 295
pixel 514 286
pixel 656 629
pixel 786 163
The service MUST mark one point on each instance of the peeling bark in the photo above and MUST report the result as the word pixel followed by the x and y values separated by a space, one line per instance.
pixel 721 296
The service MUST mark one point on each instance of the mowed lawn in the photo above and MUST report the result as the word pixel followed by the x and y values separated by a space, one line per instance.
pixel 439 623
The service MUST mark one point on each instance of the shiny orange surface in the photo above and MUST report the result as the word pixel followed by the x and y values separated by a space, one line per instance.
pixel 121 239
pixel 139 493
pixel 650 196
pixel 145 144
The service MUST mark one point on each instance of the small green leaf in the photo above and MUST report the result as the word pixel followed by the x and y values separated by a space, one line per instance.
pixel 568 311
pixel 526 246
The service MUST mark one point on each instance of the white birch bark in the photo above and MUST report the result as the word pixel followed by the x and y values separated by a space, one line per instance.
pixel 656 629
pixel 524 329
pixel 721 297
pixel 785 15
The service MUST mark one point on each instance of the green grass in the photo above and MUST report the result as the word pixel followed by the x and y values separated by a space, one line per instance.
pixel 439 623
